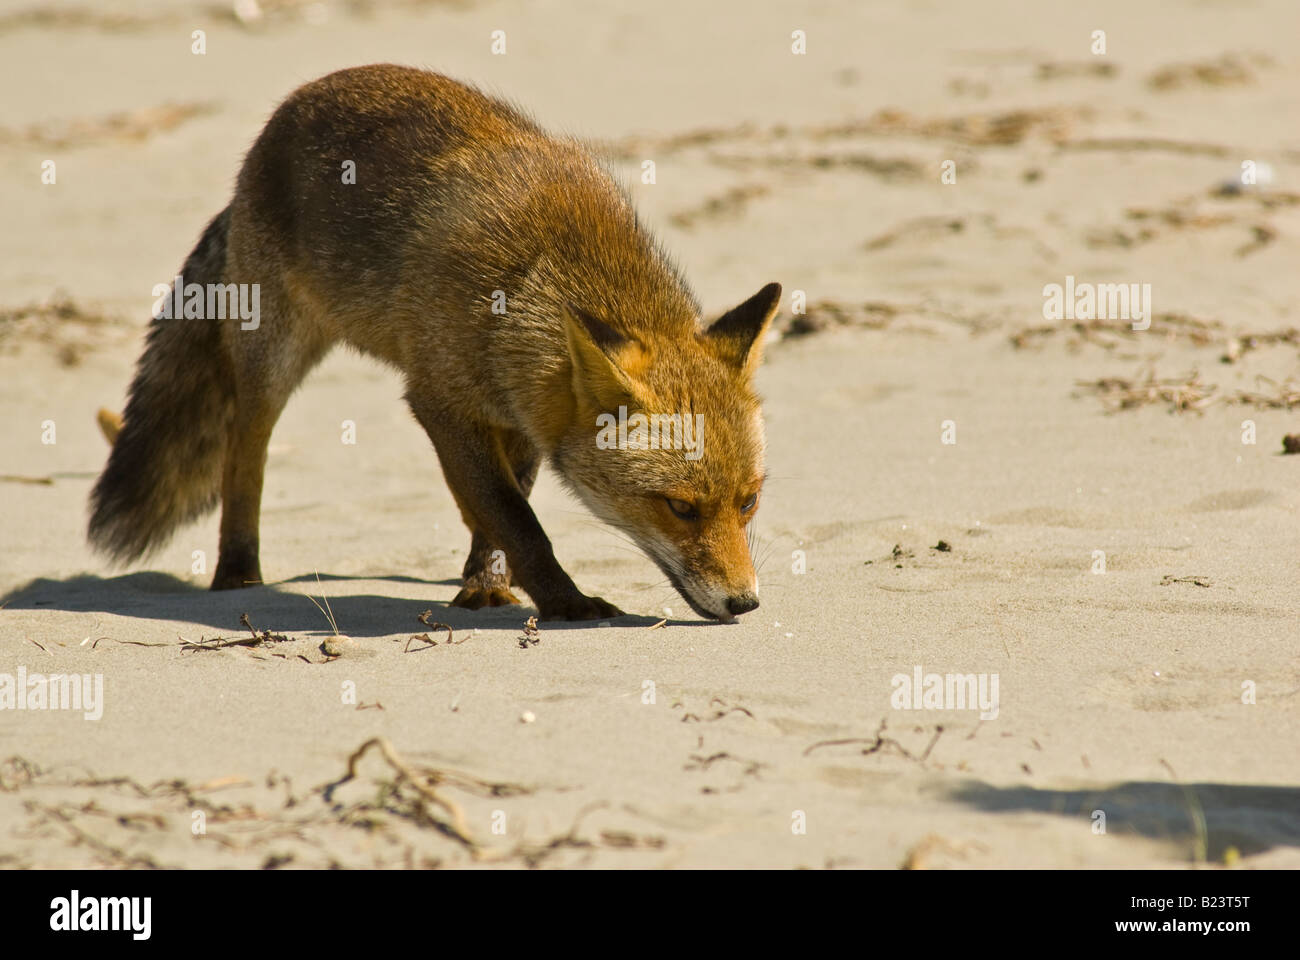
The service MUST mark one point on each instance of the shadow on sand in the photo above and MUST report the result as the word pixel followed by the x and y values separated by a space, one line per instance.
pixel 161 596
pixel 1201 819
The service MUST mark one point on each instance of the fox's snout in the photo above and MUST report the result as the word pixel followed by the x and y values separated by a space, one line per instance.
pixel 718 604
pixel 716 579
pixel 742 603
pixel 722 605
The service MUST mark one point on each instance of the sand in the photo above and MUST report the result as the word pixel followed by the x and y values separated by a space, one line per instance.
pixel 1159 699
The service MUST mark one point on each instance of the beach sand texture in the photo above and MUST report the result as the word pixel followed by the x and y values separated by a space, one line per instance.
pixel 1162 693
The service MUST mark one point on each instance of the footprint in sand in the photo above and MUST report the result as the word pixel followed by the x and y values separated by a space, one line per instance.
pixel 1231 500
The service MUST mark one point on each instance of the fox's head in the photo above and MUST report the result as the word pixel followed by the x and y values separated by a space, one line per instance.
pixel 667 445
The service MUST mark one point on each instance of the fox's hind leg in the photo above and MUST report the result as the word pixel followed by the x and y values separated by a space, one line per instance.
pixel 268 362
pixel 487 576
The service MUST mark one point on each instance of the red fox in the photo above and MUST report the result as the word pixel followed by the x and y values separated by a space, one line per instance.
pixel 504 273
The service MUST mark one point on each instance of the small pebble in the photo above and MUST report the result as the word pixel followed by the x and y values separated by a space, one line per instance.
pixel 339 646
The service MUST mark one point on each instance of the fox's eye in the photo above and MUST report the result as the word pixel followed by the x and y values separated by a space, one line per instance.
pixel 681 508
pixel 750 504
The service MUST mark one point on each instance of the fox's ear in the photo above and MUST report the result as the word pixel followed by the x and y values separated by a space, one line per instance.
pixel 739 333
pixel 603 359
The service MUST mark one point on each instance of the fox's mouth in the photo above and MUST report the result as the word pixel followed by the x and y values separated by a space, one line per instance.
pixel 680 587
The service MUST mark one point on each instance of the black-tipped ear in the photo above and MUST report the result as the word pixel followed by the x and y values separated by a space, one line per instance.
pixel 739 332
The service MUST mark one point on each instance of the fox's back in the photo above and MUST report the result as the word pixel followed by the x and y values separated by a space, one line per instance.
pixel 344 157
pixel 386 190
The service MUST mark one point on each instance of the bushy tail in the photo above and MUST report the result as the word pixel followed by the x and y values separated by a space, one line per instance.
pixel 166 464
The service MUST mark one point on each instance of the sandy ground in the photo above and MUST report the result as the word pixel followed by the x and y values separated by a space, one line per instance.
pixel 1163 693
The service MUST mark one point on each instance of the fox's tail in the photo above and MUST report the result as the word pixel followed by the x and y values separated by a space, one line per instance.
pixel 165 466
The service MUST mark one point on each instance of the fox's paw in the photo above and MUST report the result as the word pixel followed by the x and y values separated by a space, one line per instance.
pixel 472 598
pixel 237 566
pixel 579 607
pixel 235 577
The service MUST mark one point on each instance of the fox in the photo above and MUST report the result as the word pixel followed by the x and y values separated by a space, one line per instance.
pixel 504 274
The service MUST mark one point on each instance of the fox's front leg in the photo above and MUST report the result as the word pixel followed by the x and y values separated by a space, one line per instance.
pixel 487 576
pixel 481 478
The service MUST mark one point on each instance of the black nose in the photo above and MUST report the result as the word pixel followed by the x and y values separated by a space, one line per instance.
pixel 741 604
